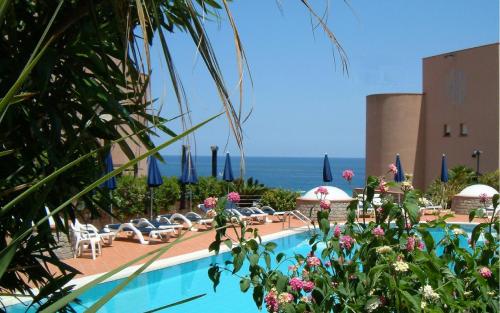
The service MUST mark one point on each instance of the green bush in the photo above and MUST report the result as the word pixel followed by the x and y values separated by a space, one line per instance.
pixel 390 264
pixel 130 196
pixel 280 199
pixel 166 195
pixel 491 179
pixel 207 186
pixel 459 178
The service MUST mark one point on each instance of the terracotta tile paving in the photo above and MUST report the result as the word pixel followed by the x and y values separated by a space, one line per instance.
pixel 124 249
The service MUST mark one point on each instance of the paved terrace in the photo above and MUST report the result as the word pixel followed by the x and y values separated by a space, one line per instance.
pixel 124 249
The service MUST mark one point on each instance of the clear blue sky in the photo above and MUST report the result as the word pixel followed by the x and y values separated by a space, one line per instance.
pixel 302 104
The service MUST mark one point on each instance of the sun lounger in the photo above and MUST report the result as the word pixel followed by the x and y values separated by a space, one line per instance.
pixel 279 215
pixel 138 231
pixel 257 217
pixel 162 223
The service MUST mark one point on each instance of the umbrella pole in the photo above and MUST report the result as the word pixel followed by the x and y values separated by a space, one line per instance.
pixel 111 208
pixel 151 203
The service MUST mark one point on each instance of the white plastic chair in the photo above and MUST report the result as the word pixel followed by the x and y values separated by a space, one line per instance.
pixel 82 239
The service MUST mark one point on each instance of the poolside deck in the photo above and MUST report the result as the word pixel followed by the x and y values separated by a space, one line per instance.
pixel 124 250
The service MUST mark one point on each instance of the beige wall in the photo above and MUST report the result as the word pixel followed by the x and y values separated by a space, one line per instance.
pixel 461 87
pixel 392 126
pixel 120 158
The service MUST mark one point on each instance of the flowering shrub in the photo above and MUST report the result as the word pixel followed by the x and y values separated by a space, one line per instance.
pixel 234 197
pixel 348 175
pixel 392 264
pixel 210 202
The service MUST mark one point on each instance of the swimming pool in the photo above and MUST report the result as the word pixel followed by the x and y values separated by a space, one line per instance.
pixel 164 286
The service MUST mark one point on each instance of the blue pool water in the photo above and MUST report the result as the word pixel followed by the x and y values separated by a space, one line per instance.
pixel 160 287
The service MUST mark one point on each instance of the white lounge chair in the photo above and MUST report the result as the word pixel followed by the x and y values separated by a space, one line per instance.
pixel 280 215
pixel 160 223
pixel 139 231
pixel 254 216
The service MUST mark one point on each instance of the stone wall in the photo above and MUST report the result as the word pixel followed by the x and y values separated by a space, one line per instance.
pixel 64 249
pixel 338 212
pixel 463 205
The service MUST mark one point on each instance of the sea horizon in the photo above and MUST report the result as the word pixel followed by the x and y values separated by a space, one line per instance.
pixel 293 173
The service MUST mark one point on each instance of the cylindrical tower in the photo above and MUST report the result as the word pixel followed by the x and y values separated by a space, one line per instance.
pixel 393 125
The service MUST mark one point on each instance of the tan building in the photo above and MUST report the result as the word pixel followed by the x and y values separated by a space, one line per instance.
pixel 457 113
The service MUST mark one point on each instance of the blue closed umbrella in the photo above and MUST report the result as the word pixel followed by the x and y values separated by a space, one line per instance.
pixel 154 180
pixel 109 184
pixel 444 169
pixel 327 172
pixel 154 176
pixel 189 172
pixel 228 171
pixel 400 175
pixel 108 168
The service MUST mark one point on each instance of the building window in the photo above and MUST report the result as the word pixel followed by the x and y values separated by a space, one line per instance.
pixel 464 131
pixel 446 130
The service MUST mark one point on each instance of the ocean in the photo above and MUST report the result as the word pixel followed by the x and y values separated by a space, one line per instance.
pixel 293 173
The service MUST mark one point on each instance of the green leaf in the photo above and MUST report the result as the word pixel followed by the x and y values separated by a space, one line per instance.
pixel 495 200
pixel 477 231
pixel 324 225
pixel 258 295
pixel 267 258
pixel 281 283
pixel 238 261
pixel 7 258
pixel 244 284
pixel 176 303
pixel 472 214
pixel 280 257
pixel 228 243
pixel 214 275
pixel 427 237
pixel 254 259
pixel 214 246
pixel 411 300
pixel 270 246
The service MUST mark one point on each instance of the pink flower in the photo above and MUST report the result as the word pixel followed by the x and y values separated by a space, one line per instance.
pixel 485 272
pixel 378 232
pixel 321 190
pixel 346 242
pixel 324 204
pixel 292 268
pixel 380 210
pixel 296 284
pixel 210 202
pixel 382 186
pixel 328 264
pixel 313 261
pixel 234 197
pixel 271 300
pixel 337 232
pixel 348 175
pixel 420 245
pixel 308 286
pixel 393 168
pixel 410 244
pixel 483 198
